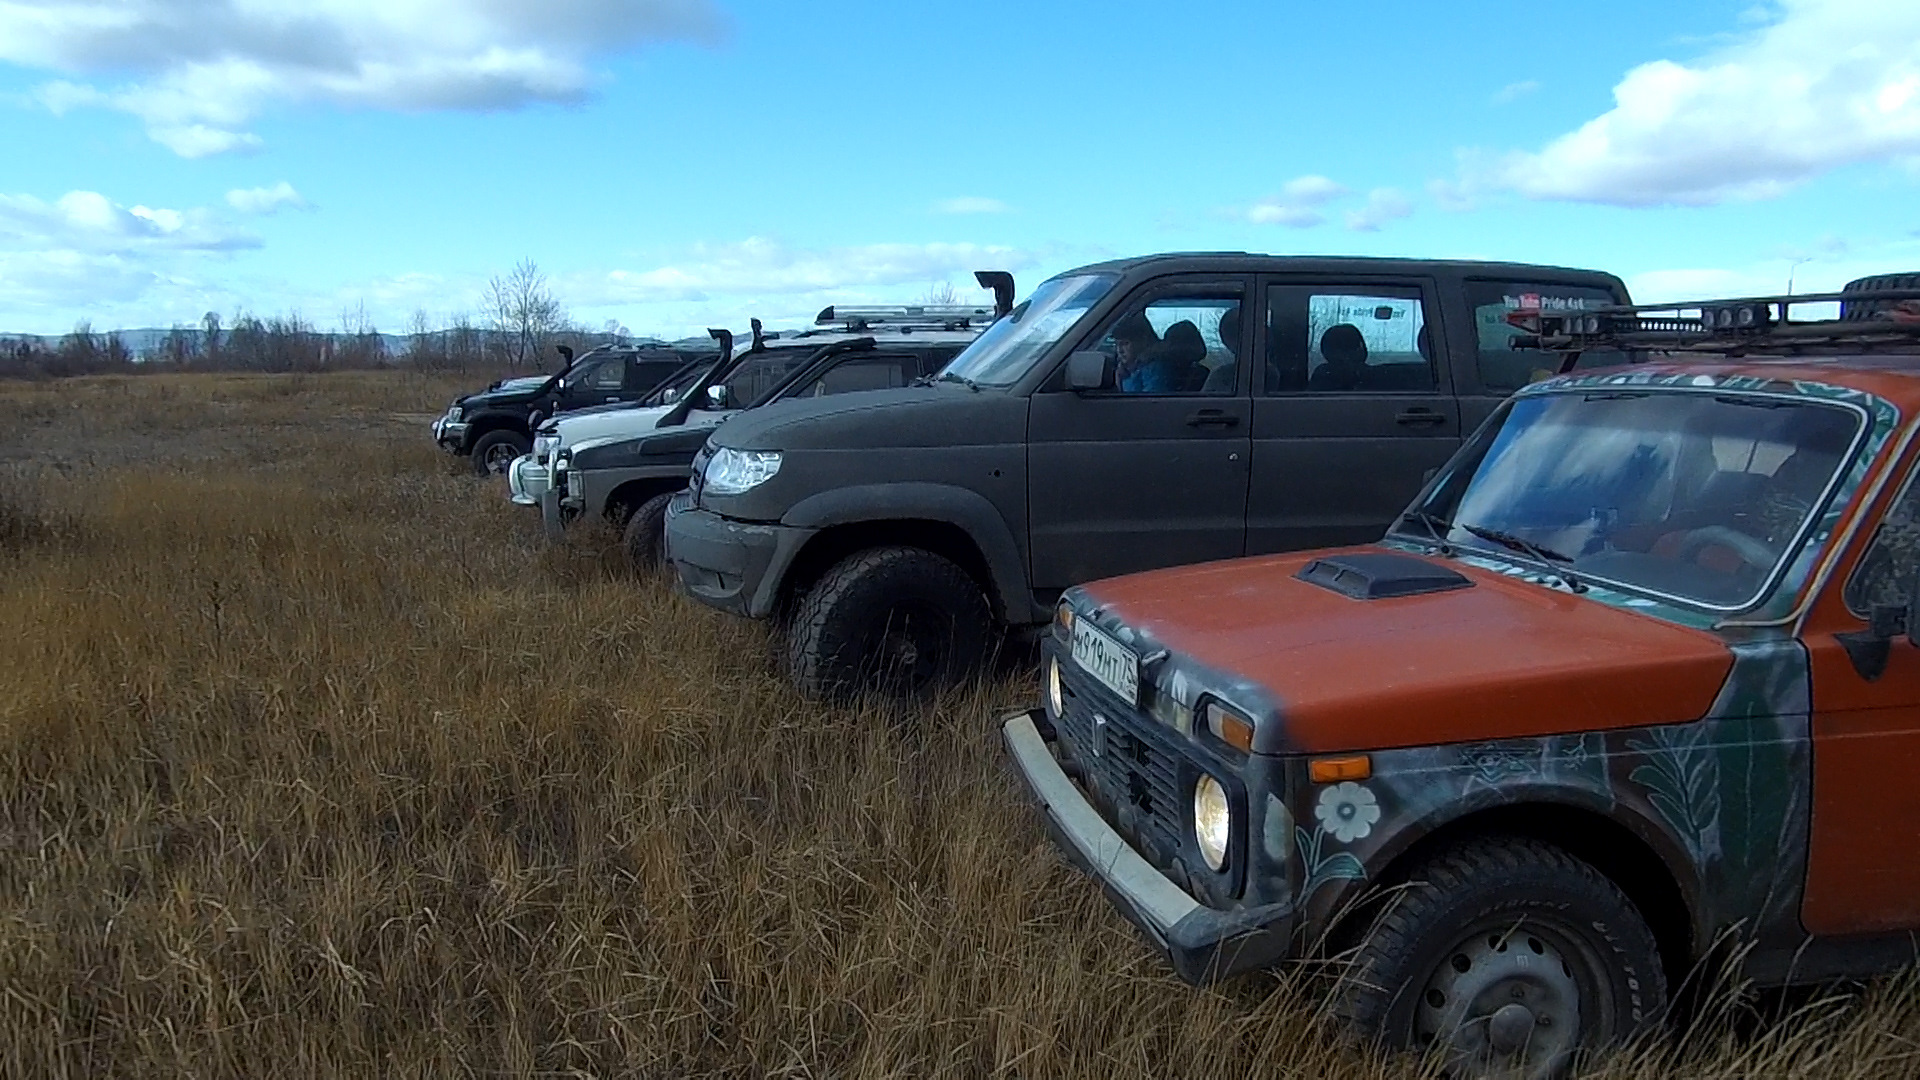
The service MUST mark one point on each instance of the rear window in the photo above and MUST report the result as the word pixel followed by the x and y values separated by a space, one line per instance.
pixel 1504 368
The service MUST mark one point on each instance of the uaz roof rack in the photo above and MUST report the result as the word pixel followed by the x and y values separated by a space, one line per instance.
pixel 1875 313
pixel 908 316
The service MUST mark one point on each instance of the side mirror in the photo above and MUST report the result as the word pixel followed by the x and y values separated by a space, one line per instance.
pixel 1871 648
pixel 717 396
pixel 1087 370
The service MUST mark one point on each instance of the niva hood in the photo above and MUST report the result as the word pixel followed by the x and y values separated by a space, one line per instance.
pixel 1499 658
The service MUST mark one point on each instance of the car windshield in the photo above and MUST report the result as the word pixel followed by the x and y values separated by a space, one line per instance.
pixel 752 375
pixel 669 391
pixel 999 356
pixel 1696 496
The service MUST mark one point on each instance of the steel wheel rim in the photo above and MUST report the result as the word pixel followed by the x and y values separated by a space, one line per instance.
pixel 1511 999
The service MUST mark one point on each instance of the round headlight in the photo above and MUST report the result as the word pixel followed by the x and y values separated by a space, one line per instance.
pixel 1212 821
pixel 1055 697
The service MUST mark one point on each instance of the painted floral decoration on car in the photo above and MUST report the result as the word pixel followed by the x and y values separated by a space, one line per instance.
pixel 1348 811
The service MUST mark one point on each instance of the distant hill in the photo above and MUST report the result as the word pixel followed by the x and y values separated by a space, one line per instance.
pixel 147 340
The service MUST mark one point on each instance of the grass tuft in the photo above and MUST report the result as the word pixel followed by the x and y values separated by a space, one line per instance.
pixel 316 760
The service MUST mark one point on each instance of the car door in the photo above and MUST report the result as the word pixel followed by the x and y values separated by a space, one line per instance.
pixel 1151 470
pixel 1862 876
pixel 1353 410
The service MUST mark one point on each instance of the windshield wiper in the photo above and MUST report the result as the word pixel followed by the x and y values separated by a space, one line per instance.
pixel 1546 555
pixel 948 376
pixel 1436 525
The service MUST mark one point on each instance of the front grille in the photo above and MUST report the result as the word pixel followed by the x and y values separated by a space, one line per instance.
pixel 699 477
pixel 1134 765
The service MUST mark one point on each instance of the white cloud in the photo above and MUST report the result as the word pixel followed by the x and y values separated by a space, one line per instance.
pixel 267 200
pixel 89 221
pixel 763 267
pixel 1513 92
pixel 1383 205
pixel 84 250
pixel 1823 266
pixel 970 204
pixel 198 71
pixel 1826 83
pixel 1299 203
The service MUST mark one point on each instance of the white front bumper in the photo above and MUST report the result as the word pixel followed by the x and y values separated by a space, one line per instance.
pixel 526 480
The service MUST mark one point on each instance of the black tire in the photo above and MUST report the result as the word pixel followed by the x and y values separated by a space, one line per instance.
pixel 495 450
pixel 898 620
pixel 1462 962
pixel 646 533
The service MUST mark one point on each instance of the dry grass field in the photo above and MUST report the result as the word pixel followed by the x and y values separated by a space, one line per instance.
pixel 315 761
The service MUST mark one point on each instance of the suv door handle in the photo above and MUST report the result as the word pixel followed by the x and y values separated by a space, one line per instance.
pixel 1418 415
pixel 1213 418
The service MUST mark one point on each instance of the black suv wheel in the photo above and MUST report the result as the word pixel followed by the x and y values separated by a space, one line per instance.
pixel 898 620
pixel 646 533
pixel 495 451
pixel 1506 957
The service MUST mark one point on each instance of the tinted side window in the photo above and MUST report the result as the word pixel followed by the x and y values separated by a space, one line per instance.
pixel 606 375
pixel 1503 367
pixel 1353 339
pixel 760 373
pixel 1886 572
pixel 648 373
pixel 868 372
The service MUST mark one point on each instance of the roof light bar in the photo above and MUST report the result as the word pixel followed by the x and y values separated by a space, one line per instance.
pixel 926 316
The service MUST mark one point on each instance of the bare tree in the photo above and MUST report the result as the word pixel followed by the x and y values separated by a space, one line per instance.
pixel 210 341
pixel 941 292
pixel 524 312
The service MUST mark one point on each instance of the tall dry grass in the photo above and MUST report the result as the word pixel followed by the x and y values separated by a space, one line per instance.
pixel 313 761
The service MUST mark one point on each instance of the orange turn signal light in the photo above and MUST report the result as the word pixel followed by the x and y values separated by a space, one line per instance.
pixel 1229 727
pixel 1333 770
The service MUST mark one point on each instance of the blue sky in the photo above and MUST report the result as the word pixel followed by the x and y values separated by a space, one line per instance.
pixel 675 164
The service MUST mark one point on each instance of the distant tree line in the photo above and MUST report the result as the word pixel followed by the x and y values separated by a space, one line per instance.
pixel 519 326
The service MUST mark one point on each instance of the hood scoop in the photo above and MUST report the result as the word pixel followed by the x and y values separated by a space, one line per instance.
pixel 1380 576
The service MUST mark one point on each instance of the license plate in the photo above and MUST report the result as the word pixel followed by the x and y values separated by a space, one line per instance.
pixel 1115 665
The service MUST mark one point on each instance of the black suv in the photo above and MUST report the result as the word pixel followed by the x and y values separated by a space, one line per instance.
pixel 1108 424
pixel 496 425
pixel 628 478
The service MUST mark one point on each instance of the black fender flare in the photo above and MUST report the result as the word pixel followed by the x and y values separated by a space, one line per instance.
pixel 966 510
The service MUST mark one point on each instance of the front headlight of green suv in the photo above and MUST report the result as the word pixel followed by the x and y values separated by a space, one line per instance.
pixel 735 472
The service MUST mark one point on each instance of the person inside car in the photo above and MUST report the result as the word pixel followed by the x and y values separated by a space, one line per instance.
pixel 1345 351
pixel 1222 378
pixel 1136 371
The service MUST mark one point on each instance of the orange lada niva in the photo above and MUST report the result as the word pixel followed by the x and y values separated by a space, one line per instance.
pixel 1633 678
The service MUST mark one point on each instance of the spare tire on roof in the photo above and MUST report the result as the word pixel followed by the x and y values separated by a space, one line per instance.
pixel 1868 309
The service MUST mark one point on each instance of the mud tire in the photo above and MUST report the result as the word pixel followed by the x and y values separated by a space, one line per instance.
pixel 1510 887
pixel 645 534
pixel 900 621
